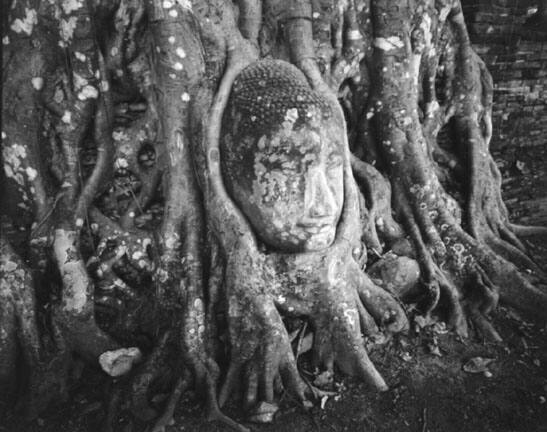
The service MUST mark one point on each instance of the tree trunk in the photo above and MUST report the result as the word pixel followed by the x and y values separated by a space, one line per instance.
pixel 121 210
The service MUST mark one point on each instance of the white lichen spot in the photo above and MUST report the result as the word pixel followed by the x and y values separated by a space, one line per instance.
pixel 388 44
pixel 67 117
pixel 31 173
pixel 104 85
pixel 119 136
pixel 180 52
pixel 94 227
pixel 291 115
pixel 354 35
pixel 37 83
pixel 173 13
pixel 316 15
pixel 12 156
pixel 172 76
pixel 186 4
pixel 5 40
pixel 167 4
pixel 114 51
pixel 71 5
pixel 88 92
pixel 67 28
pixel 432 108
pixel 121 163
pixel 171 39
pixel 4 136
pixel 26 24
pixel 79 81
pixel 79 222
pixel 80 56
pixel 178 66
pixel 185 97
pixel 171 242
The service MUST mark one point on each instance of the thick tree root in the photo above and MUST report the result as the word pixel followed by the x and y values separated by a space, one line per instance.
pixel 467 274
pixel 47 371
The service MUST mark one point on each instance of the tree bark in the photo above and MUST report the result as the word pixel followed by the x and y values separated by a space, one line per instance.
pixel 116 211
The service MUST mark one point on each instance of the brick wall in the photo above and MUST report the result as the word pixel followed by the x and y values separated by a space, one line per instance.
pixel 517 59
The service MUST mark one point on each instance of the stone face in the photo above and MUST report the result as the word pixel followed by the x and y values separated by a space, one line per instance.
pixel 286 176
pixel 399 275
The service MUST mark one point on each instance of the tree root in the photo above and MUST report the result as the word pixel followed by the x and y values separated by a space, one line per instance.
pixel 47 371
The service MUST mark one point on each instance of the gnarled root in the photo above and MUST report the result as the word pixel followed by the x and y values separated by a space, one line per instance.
pixel 340 302
pixel 47 372
pixel 260 350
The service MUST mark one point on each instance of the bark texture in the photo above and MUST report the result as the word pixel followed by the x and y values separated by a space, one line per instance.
pixel 125 244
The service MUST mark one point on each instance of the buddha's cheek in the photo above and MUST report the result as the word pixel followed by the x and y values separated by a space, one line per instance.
pixel 280 196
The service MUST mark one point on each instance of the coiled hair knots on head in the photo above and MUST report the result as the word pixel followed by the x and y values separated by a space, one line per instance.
pixel 263 93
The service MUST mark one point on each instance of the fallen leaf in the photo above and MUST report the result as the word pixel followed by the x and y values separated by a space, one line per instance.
pixel 477 364
pixel 263 413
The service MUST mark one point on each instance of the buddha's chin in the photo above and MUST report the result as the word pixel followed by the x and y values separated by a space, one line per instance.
pixel 301 240
pixel 319 241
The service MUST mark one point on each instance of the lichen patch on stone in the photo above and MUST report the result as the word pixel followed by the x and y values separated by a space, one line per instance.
pixel 26 24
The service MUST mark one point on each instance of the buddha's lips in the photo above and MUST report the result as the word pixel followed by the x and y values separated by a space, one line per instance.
pixel 316 226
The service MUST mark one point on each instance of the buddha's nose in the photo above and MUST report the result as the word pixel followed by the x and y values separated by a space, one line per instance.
pixel 320 201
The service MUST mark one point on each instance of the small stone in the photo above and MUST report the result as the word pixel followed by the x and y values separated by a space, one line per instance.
pixel 405 356
pixel 263 413
pixel 118 362
pixel 487 374
pixel 478 365
pixel 399 274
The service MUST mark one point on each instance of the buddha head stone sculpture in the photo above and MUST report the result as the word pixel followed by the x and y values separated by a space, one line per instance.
pixel 282 157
